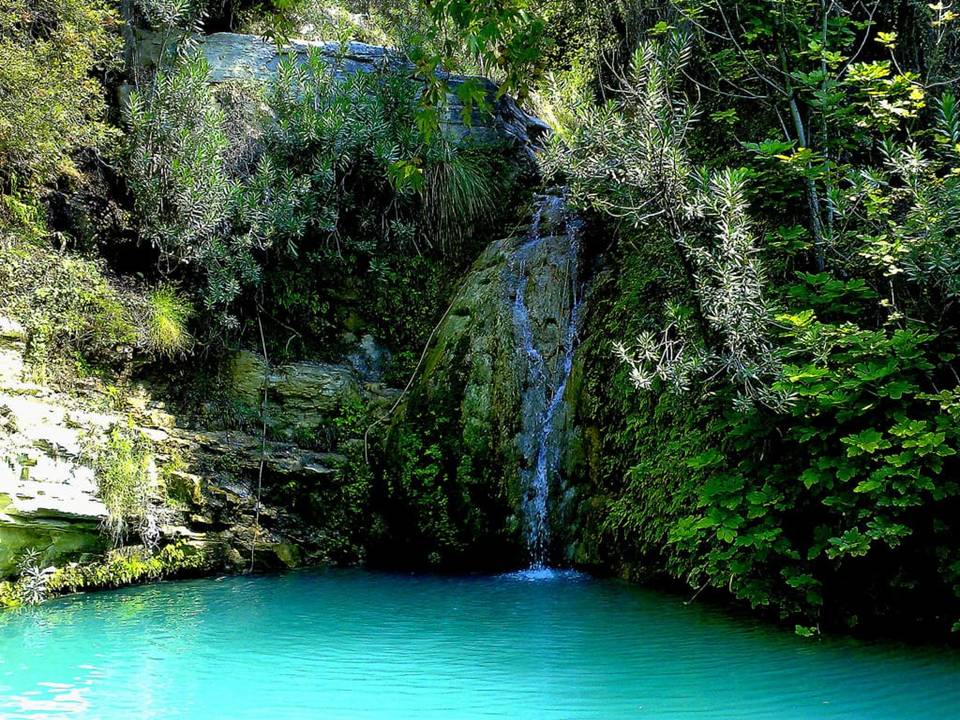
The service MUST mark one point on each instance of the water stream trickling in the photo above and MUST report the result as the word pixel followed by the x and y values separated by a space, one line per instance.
pixel 546 331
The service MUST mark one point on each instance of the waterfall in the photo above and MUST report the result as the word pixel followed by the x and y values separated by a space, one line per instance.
pixel 544 285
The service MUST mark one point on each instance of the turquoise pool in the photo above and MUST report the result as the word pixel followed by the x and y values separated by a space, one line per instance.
pixel 353 644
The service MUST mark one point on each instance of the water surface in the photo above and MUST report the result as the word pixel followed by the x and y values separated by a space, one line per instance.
pixel 351 644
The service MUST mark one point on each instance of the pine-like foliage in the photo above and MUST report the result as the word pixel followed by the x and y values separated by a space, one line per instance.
pixel 176 147
pixel 184 199
pixel 628 158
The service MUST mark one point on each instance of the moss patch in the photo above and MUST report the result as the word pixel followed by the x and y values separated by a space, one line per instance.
pixel 130 566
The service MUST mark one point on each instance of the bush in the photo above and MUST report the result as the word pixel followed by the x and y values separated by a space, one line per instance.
pixel 67 305
pixel 123 470
pixel 177 151
pixel 51 104
pixel 846 506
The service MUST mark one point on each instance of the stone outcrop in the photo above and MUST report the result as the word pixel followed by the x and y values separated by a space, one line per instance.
pixel 247 58
pixel 301 397
pixel 202 482
pixel 48 498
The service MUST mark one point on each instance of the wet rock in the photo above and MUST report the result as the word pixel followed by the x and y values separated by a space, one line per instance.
pixel 460 437
pixel 370 359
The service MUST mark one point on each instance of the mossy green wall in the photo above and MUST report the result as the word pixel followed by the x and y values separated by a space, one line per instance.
pixel 450 491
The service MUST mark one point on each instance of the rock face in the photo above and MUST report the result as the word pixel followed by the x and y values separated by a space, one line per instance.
pixel 301 397
pixel 464 450
pixel 245 58
pixel 203 483
pixel 48 499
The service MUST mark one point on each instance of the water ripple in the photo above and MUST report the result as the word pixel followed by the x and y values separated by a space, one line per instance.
pixel 541 644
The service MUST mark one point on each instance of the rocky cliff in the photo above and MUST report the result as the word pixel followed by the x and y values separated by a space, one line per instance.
pixel 237 58
pixel 202 482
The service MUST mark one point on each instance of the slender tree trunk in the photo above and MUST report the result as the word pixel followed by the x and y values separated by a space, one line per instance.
pixel 813 197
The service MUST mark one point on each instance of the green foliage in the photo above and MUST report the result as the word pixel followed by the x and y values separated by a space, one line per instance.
pixel 825 281
pixel 9 597
pixel 118 568
pixel 176 150
pixel 630 160
pixel 357 199
pixel 169 315
pixel 346 184
pixel 67 304
pixel 327 131
pixel 503 36
pixel 128 566
pixel 633 477
pixel 405 298
pixel 499 39
pixel 52 105
pixel 123 467
pixel 906 212
pixel 32 587
pixel 166 15
pixel 75 312
pixel 458 192
pixel 22 216
pixel 856 491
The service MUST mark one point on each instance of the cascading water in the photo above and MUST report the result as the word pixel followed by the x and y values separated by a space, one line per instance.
pixel 545 266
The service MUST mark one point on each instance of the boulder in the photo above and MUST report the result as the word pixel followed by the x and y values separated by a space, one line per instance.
pixel 241 58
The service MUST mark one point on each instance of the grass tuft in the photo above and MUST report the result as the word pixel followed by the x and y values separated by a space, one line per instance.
pixel 169 315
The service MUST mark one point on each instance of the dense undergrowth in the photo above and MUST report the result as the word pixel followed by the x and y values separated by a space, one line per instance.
pixel 782 181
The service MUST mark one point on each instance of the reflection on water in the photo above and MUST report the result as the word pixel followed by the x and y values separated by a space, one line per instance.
pixel 534 644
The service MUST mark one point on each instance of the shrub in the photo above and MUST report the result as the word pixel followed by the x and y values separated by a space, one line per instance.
pixel 67 304
pixel 32 585
pixel 177 151
pixel 458 191
pixel 51 105
pixel 123 470
pixel 9 597
pixel 845 506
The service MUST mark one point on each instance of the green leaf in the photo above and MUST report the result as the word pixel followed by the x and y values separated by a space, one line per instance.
pixel 709 458
pixel 868 441
pixel 726 534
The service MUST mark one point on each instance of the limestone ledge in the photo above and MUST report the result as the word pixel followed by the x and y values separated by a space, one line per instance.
pixel 48 491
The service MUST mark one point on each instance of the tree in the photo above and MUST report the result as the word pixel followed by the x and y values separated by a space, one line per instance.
pixel 52 105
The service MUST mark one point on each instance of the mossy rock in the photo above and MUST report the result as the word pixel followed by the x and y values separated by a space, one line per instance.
pixel 301 397
pixel 56 542
pixel 457 457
